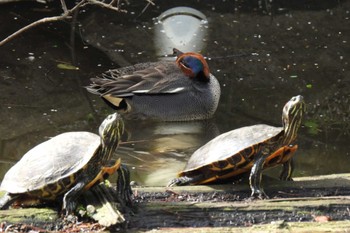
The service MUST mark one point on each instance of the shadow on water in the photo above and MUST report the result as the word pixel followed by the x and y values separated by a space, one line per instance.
pixel 259 60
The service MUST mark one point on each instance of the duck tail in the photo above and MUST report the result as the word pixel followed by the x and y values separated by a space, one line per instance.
pixel 93 89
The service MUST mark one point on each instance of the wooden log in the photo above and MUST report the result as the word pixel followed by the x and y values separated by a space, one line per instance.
pixel 279 226
pixel 309 182
pixel 297 204
pixel 294 206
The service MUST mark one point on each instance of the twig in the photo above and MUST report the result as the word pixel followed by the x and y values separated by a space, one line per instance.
pixel 36 23
pixel 113 2
pixel 149 2
pixel 107 5
pixel 72 36
pixel 64 6
pixel 66 14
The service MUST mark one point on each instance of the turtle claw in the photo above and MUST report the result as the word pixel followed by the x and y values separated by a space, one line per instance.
pixel 68 208
pixel 174 182
pixel 184 180
pixel 260 194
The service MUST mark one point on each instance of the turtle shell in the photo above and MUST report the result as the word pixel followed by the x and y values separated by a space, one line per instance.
pixel 230 145
pixel 51 161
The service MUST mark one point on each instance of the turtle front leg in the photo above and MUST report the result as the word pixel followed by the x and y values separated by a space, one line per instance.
pixel 186 180
pixel 123 185
pixel 256 177
pixel 70 197
pixel 183 180
pixel 287 170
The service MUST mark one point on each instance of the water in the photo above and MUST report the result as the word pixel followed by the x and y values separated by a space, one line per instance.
pixel 259 60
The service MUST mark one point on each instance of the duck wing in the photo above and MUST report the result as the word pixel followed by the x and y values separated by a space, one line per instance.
pixel 141 79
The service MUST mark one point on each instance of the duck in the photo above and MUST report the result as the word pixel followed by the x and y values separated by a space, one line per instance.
pixel 176 90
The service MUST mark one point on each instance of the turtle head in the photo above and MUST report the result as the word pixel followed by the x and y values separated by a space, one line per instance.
pixel 111 131
pixel 193 65
pixel 292 114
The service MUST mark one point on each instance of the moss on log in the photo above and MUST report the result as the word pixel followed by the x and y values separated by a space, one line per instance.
pixel 29 215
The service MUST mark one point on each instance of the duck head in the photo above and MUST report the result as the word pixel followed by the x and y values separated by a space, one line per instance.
pixel 193 65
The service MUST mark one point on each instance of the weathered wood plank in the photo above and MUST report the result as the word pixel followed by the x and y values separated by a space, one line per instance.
pixel 309 182
pixel 275 227
pixel 229 206
pixel 218 208
pixel 157 214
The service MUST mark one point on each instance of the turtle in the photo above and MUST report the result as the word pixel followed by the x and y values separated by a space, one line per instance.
pixel 247 149
pixel 65 166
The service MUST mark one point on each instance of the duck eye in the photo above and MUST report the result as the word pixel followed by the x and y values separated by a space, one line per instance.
pixel 185 64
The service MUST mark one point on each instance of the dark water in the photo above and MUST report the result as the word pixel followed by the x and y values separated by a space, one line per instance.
pixel 260 60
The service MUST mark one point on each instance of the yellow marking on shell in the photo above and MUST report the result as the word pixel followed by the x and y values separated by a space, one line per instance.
pixel 284 158
pixel 72 178
pixel 216 165
pixel 104 170
pixel 233 173
pixel 232 162
pixel 236 172
pixel 51 191
pixel 208 180
pixel 44 193
pixel 57 189
pixel 285 152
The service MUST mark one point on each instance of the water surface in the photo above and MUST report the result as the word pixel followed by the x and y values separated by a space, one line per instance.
pixel 260 60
